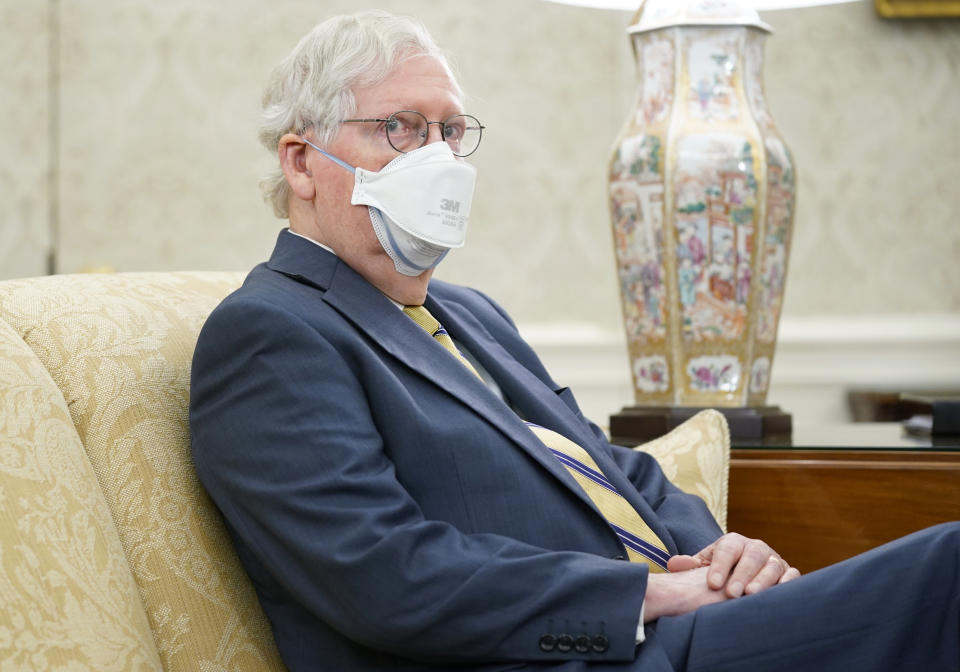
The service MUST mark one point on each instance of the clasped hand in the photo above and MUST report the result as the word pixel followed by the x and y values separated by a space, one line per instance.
pixel 728 568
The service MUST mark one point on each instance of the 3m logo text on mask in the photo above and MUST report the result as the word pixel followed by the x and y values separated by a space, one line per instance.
pixel 449 205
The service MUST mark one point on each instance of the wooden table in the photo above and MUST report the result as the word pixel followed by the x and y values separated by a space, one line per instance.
pixel 832 492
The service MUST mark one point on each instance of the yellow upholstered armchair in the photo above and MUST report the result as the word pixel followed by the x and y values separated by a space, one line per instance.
pixel 111 555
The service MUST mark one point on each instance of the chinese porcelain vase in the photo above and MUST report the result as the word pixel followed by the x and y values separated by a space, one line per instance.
pixel 702 197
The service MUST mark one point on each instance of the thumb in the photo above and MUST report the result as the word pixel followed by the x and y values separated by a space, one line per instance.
pixel 683 563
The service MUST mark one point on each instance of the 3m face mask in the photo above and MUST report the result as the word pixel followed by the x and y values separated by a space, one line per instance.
pixel 419 204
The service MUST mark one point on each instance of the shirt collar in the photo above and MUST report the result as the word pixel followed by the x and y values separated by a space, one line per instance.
pixel 328 249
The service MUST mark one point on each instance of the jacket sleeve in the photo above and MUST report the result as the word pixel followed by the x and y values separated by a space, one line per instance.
pixel 285 444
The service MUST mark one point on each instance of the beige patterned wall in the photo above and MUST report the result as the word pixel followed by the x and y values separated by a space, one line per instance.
pixel 155 159
pixel 872 111
pixel 25 162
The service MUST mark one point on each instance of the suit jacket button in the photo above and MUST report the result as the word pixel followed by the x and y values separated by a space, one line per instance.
pixel 619 557
pixel 582 645
pixel 600 643
pixel 548 643
pixel 564 643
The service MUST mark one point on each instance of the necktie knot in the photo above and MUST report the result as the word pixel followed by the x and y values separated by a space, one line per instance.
pixel 432 326
pixel 423 318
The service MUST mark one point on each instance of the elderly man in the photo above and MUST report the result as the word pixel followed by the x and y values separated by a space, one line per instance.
pixel 406 495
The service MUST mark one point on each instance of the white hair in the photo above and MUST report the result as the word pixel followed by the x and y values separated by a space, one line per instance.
pixel 312 87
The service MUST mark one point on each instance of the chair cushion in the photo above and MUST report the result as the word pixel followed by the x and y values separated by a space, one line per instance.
pixel 119 347
pixel 695 456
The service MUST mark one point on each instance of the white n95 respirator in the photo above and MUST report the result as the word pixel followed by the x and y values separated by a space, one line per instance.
pixel 419 204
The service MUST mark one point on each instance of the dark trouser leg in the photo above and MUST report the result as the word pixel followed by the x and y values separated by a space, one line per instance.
pixel 893 608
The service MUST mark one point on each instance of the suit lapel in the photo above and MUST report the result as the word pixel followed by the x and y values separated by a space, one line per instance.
pixel 401 337
pixel 540 404
pixel 534 400
pixel 373 314
pixel 381 321
pixel 396 333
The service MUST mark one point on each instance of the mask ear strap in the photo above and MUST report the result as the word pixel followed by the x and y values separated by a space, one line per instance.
pixel 339 162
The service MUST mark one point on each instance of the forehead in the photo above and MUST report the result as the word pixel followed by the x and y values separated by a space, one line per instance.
pixel 420 82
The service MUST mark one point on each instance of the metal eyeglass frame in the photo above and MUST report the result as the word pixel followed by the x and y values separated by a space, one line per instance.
pixel 443 125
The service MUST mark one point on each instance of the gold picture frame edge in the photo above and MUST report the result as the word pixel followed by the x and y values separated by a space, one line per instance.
pixel 917 9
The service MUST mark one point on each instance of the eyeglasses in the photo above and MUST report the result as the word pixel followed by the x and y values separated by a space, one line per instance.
pixel 407 130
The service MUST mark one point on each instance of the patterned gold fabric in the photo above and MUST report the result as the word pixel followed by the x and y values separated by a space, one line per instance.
pixel 695 456
pixel 68 599
pixel 119 349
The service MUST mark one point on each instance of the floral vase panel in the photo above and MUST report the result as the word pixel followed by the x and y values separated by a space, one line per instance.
pixel 701 201
pixel 715 207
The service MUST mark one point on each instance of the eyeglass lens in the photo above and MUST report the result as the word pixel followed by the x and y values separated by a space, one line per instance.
pixel 408 130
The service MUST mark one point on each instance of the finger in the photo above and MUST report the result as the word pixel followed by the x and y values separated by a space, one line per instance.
pixel 683 563
pixel 769 575
pixel 789 575
pixel 706 554
pixel 725 555
pixel 754 559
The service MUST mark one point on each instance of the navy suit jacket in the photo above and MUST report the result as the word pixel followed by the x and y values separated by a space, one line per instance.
pixel 393 512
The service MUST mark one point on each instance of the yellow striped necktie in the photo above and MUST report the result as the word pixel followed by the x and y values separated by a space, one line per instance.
pixel 641 542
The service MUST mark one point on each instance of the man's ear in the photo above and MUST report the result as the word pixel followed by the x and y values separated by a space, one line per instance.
pixel 293 161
